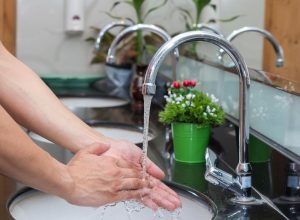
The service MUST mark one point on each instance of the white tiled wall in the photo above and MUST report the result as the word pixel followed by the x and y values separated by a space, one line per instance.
pixel 43 44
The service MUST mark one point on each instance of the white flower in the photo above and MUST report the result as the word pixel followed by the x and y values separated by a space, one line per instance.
pixel 168 99
pixel 189 96
pixel 208 109
pixel 183 105
pixel 213 98
pixel 187 103
pixel 213 110
pixel 205 114
pixel 192 104
pixel 179 99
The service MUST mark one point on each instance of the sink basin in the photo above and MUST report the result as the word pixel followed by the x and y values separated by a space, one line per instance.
pixel 35 205
pixel 93 102
pixel 114 130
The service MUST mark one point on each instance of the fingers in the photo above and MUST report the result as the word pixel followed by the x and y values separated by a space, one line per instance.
pixel 164 196
pixel 96 148
pixel 133 194
pixel 154 170
pixel 128 164
pixel 132 184
pixel 155 182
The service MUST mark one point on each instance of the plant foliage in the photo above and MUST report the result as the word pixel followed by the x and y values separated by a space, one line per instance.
pixel 185 104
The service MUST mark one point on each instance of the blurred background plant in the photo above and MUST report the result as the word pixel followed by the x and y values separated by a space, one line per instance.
pixel 195 17
pixel 135 48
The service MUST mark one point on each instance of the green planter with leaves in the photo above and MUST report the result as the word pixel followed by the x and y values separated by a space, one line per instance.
pixel 191 114
pixel 190 142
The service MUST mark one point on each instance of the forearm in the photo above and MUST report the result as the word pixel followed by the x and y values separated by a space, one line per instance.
pixel 32 104
pixel 22 160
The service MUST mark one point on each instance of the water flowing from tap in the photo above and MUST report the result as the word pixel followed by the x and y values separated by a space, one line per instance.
pixel 147 104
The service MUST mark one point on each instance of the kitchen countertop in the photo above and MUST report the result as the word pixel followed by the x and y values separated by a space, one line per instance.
pixel 268 177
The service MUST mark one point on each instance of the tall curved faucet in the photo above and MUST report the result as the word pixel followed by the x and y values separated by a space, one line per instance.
pixel 106 28
pixel 243 169
pixel 110 58
pixel 278 49
pixel 207 27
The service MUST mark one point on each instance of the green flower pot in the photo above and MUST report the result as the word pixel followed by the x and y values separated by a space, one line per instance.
pixel 190 174
pixel 258 150
pixel 190 142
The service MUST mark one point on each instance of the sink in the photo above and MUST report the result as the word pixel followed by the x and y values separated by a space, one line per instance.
pixel 35 205
pixel 115 130
pixel 93 102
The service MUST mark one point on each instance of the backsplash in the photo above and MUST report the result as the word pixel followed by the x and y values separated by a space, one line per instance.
pixel 43 44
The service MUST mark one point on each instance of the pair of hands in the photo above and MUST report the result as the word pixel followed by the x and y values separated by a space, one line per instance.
pixel 106 173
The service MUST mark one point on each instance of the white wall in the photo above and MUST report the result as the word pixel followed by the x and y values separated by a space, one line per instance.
pixel 43 44
pixel 251 14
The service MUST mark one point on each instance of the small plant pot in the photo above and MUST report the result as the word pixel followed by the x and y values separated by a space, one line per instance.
pixel 190 174
pixel 190 142
pixel 258 151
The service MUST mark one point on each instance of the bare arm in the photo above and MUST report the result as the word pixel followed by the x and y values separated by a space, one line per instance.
pixel 32 104
pixel 89 179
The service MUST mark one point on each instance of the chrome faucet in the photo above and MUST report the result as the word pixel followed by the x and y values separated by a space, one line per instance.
pixel 243 168
pixel 121 23
pixel 207 27
pixel 110 58
pixel 278 49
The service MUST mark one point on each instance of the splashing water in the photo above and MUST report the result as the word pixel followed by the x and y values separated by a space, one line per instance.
pixel 133 206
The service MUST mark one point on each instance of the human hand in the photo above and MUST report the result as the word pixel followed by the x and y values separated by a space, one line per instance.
pixel 130 152
pixel 161 195
pixel 98 179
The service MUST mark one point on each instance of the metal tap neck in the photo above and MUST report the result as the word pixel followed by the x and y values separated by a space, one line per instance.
pixel 243 168
pixel 278 49
pixel 106 28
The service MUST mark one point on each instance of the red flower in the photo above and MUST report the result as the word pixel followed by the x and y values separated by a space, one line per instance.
pixel 186 83
pixel 176 84
pixel 192 83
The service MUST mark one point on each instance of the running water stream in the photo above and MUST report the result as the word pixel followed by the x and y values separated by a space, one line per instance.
pixel 147 105
pixel 132 206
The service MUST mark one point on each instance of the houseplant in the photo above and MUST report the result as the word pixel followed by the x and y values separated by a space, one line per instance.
pixel 133 47
pixel 195 16
pixel 191 114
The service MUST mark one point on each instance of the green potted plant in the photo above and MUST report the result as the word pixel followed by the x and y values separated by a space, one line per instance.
pixel 192 20
pixel 133 48
pixel 191 114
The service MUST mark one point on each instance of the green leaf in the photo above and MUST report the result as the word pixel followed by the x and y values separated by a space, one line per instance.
pixel 186 13
pixel 155 8
pixel 115 5
pixel 199 5
pixel 90 39
pixel 99 58
pixel 113 16
pixel 214 7
pixel 230 19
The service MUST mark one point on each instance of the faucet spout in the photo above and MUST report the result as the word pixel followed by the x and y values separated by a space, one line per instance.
pixel 149 27
pixel 121 23
pixel 278 49
pixel 110 58
pixel 243 168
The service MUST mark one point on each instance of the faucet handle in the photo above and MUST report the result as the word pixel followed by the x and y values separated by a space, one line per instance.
pixel 219 177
